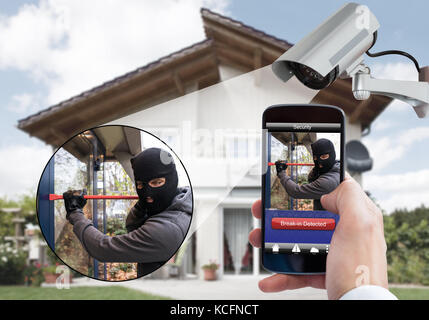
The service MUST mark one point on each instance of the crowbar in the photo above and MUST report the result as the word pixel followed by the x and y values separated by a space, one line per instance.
pixel 97 197
pixel 293 164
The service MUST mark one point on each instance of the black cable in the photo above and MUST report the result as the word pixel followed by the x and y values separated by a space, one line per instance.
pixel 383 53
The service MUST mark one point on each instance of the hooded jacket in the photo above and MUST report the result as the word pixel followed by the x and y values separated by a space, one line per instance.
pixel 150 243
pixel 323 184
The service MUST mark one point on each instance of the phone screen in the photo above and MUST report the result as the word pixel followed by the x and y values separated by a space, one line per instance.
pixel 304 162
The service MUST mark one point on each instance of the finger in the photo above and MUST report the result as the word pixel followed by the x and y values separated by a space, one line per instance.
pixel 257 209
pixel 280 282
pixel 329 201
pixel 255 238
pixel 348 192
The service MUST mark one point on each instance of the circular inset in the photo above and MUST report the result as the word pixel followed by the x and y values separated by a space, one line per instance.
pixel 114 203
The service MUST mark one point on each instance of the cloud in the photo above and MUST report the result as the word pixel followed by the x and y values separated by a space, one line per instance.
pixel 70 46
pixel 408 190
pixel 25 103
pixel 388 149
pixel 73 45
pixel 21 167
pixel 396 133
pixel 383 125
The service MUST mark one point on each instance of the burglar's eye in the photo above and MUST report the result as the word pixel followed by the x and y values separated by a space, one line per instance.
pixel 324 156
pixel 157 182
pixel 139 184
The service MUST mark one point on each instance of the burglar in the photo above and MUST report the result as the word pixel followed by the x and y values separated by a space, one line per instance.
pixel 157 224
pixel 323 178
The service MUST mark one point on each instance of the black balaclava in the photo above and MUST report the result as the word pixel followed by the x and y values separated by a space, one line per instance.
pixel 323 146
pixel 150 164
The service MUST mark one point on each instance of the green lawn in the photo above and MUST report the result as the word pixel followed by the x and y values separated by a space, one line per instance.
pixel 411 293
pixel 121 293
pixel 74 293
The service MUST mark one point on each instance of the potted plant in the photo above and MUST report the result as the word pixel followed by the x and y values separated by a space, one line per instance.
pixel 51 275
pixel 49 272
pixel 210 270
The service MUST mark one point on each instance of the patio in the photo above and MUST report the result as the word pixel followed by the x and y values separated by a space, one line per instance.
pixel 229 288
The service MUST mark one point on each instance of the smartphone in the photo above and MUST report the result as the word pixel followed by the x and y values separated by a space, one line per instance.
pixel 303 158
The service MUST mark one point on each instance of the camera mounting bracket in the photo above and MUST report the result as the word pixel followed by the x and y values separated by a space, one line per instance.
pixel 415 93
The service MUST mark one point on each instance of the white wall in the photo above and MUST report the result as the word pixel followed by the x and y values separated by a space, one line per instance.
pixel 209 237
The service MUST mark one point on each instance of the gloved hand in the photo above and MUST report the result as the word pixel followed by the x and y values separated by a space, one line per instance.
pixel 136 217
pixel 280 166
pixel 74 200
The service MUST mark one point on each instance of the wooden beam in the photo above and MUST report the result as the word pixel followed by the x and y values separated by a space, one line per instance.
pixel 220 32
pixel 360 108
pixel 178 83
pixel 235 57
pixel 334 98
pixel 257 58
pixel 211 20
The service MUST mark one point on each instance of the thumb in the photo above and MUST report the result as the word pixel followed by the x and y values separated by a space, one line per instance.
pixel 329 201
pixel 332 201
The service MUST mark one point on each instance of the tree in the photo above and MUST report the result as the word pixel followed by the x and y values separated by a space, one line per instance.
pixel 27 203
pixel 407 238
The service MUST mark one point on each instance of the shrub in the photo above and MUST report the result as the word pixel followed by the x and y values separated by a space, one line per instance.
pixel 407 238
pixel 12 265
pixel 33 275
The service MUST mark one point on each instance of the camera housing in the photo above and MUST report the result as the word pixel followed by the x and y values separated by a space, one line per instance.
pixel 330 51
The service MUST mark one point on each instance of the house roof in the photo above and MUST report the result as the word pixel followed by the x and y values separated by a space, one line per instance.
pixel 228 42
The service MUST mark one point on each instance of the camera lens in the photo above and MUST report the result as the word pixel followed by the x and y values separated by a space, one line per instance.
pixel 310 77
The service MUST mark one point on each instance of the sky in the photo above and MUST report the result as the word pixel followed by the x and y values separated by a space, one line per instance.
pixel 52 50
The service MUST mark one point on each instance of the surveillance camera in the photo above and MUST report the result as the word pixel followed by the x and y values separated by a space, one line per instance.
pixel 332 50
pixel 336 48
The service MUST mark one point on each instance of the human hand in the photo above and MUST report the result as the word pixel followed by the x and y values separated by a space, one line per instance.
pixel 280 282
pixel 74 200
pixel 136 217
pixel 280 166
pixel 357 254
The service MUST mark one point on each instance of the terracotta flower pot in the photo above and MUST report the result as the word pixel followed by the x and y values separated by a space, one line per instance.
pixel 52 277
pixel 209 274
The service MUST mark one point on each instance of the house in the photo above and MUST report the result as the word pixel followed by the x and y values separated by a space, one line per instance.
pixel 209 98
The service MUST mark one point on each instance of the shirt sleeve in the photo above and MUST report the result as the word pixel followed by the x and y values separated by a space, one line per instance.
pixel 369 292
pixel 313 190
pixel 156 240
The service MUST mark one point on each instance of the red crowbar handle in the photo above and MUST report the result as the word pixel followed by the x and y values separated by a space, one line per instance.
pixel 293 164
pixel 59 197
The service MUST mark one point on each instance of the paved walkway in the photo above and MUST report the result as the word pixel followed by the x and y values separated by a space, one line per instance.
pixel 243 287
pixel 229 288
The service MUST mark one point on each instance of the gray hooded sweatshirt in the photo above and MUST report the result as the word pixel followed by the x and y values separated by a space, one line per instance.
pixel 151 242
pixel 324 184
